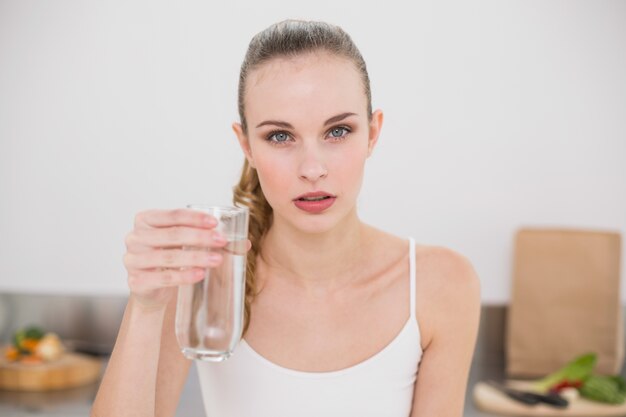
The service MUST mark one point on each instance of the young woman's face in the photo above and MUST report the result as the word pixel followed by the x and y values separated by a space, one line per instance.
pixel 308 132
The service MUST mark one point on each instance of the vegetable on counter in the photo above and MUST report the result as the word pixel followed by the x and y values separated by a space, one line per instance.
pixel 31 345
pixel 50 347
pixel 604 388
pixel 577 374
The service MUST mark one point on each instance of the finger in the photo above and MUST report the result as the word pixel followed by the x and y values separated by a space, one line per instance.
pixel 176 237
pixel 176 217
pixel 139 248
pixel 133 245
pixel 172 258
pixel 248 245
pixel 141 281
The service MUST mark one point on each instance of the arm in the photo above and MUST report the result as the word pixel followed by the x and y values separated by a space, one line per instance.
pixel 173 367
pixel 452 301
pixel 142 363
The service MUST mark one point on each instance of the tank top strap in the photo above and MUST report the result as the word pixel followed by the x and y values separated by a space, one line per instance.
pixel 412 274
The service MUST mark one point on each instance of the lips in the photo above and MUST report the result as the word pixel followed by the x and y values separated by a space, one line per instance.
pixel 316 195
pixel 315 202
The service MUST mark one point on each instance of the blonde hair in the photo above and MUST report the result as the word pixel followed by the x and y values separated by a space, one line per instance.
pixel 285 39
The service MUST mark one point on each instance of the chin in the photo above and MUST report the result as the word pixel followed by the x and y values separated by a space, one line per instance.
pixel 315 226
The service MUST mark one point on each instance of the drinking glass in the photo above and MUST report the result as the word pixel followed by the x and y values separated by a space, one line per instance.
pixel 209 313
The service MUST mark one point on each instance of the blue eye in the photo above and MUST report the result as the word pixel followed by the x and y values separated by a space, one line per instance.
pixel 278 137
pixel 340 130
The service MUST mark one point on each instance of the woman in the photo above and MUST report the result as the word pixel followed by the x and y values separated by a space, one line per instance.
pixel 342 319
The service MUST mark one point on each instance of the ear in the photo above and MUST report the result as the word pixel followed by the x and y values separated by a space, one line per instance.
pixel 243 142
pixel 374 131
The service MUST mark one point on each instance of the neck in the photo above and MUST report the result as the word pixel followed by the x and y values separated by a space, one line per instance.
pixel 317 263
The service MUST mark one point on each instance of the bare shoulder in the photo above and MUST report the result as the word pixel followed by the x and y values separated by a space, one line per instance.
pixel 445 269
pixel 448 290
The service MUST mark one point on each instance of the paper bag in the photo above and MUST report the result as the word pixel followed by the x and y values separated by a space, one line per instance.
pixel 564 301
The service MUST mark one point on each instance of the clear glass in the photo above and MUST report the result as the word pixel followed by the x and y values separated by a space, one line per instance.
pixel 209 313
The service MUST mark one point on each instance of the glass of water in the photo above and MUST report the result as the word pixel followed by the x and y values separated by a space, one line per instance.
pixel 209 313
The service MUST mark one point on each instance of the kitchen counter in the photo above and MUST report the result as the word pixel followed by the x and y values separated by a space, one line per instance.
pixel 90 324
pixel 77 401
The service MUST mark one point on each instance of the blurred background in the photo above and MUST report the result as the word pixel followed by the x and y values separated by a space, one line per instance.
pixel 499 115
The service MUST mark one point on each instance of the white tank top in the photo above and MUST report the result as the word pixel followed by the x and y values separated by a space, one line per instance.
pixel 249 385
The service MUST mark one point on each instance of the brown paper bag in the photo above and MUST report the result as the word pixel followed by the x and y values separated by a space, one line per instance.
pixel 564 302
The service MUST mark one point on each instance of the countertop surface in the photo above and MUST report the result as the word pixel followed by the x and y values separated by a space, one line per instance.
pixel 77 401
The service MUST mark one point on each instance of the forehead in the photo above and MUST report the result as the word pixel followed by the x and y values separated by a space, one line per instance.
pixel 311 85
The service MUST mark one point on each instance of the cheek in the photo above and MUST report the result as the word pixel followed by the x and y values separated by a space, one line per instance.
pixel 349 166
pixel 274 175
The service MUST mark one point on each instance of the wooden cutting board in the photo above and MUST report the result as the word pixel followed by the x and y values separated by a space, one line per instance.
pixel 71 370
pixel 489 399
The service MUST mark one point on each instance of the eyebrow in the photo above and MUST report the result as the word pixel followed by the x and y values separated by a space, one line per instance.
pixel 289 126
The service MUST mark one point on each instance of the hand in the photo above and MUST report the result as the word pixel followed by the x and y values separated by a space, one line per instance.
pixel 155 260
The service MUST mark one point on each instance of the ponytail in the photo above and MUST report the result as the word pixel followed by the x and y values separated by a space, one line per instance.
pixel 248 193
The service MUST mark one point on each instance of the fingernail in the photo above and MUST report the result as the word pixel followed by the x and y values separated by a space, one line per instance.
pixel 218 238
pixel 210 221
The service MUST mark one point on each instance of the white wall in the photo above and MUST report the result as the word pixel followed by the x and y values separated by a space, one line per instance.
pixel 498 115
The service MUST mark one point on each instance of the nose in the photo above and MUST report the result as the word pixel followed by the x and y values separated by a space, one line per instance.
pixel 312 166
